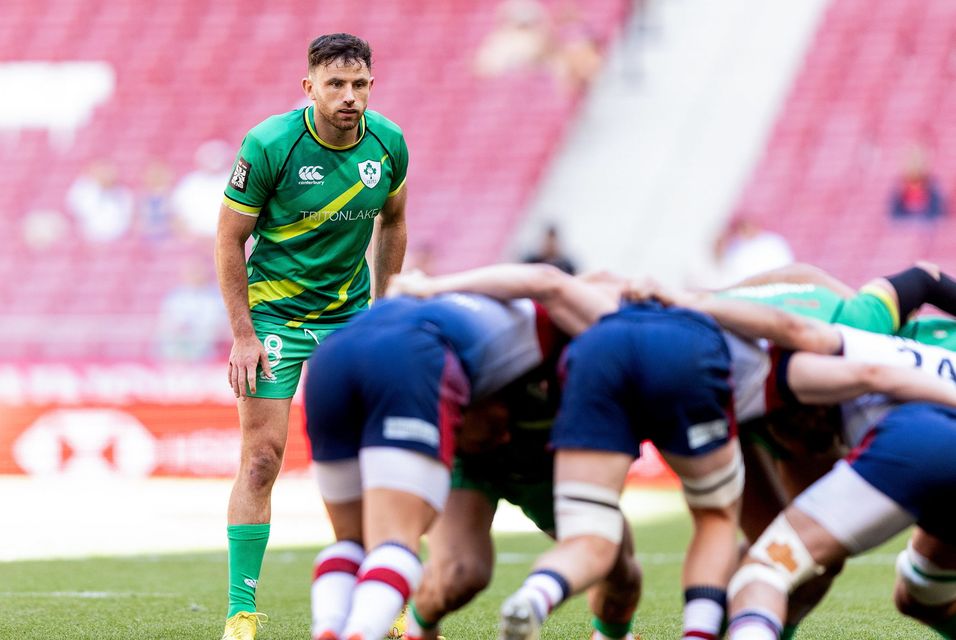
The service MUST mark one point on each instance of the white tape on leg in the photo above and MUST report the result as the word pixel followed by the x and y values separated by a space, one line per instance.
pixel 584 509
pixel 927 583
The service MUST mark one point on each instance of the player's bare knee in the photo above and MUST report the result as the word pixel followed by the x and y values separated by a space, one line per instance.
pixel 461 580
pixel 262 467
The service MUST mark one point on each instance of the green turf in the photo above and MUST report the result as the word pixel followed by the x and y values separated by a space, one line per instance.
pixel 182 597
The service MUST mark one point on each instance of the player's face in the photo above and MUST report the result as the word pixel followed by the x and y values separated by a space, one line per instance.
pixel 340 92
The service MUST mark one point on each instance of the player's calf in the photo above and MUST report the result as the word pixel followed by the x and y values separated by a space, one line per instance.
pixel 446 588
pixel 925 591
pixel 614 600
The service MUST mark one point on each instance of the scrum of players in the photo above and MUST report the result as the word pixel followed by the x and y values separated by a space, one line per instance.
pixel 815 419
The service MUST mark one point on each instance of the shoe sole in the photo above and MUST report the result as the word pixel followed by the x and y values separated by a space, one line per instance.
pixel 516 623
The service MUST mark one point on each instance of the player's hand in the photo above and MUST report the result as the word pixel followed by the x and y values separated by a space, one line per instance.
pixel 410 283
pixel 246 357
pixel 643 289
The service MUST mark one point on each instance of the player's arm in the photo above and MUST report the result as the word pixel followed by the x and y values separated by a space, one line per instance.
pixel 247 351
pixel 391 239
pixel 798 273
pixel 573 305
pixel 755 320
pixel 819 379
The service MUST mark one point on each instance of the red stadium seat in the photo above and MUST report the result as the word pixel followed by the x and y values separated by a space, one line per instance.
pixel 876 78
pixel 191 70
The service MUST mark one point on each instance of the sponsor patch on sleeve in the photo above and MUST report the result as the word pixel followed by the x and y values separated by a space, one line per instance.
pixel 240 175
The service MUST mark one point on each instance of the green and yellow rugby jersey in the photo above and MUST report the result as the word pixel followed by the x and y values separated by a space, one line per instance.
pixel 871 309
pixel 316 205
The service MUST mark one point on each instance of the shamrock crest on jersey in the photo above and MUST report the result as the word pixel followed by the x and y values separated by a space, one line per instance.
pixel 370 172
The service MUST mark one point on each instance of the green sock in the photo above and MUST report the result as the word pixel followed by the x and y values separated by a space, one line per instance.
pixel 247 545
pixel 947 629
pixel 611 629
pixel 419 620
pixel 789 630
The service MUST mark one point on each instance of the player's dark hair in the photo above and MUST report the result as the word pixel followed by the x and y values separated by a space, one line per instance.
pixel 339 46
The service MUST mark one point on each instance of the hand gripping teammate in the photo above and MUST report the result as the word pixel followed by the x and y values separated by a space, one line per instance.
pixel 309 186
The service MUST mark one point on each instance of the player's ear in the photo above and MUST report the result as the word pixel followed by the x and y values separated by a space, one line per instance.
pixel 307 86
pixel 371 81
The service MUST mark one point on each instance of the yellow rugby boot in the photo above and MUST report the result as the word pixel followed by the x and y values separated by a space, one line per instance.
pixel 399 626
pixel 243 626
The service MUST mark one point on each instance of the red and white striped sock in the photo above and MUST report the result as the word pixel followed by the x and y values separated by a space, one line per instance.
pixel 333 579
pixel 703 612
pixel 387 578
pixel 545 589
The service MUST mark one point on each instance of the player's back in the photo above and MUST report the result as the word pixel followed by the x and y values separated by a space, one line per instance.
pixel 496 342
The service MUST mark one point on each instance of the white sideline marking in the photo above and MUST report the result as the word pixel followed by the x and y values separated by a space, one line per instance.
pixel 118 517
pixel 94 595
pixel 662 559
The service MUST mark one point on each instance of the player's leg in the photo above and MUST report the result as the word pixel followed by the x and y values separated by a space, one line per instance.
pixel 780 464
pixel 713 485
pixel 336 567
pixel 334 418
pixel 403 493
pixel 264 424
pixel 900 295
pixel 839 515
pixel 614 599
pixel 415 389
pixel 590 528
pixel 460 562
pixel 926 582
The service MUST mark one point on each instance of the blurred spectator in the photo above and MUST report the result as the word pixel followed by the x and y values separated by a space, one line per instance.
pixel 103 208
pixel 525 38
pixel 577 60
pixel 197 196
pixel 154 215
pixel 550 252
pixel 44 228
pixel 521 39
pixel 745 249
pixel 917 196
pixel 192 324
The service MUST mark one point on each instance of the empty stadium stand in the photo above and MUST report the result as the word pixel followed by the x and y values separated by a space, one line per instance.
pixel 192 70
pixel 877 78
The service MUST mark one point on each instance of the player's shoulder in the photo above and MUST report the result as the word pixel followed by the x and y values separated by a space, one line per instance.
pixel 281 129
pixel 383 128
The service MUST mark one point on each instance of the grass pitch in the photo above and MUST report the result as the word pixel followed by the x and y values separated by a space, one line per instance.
pixel 182 597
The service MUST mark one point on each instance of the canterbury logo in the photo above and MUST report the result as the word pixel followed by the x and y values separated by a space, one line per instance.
pixel 310 174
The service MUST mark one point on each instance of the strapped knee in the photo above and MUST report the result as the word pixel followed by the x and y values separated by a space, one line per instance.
pixel 585 509
pixel 784 560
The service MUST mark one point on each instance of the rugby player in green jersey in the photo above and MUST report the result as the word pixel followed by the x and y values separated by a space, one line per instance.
pixel 309 186
pixel 882 305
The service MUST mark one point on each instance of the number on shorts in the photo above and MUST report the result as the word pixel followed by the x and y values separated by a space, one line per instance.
pixel 273 345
